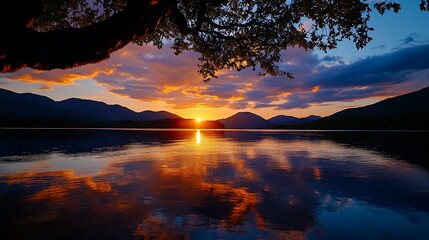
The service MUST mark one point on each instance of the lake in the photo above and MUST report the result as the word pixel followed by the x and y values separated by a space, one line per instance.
pixel 200 184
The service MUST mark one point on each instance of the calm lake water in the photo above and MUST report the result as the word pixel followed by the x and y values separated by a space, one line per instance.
pixel 198 184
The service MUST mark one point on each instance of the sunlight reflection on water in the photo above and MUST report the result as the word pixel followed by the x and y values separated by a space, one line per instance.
pixel 198 137
pixel 208 185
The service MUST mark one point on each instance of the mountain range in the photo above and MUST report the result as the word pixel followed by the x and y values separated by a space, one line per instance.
pixel 32 110
pixel 15 106
pixel 244 120
pixel 409 111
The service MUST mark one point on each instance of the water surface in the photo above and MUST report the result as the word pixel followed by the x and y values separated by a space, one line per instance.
pixel 195 184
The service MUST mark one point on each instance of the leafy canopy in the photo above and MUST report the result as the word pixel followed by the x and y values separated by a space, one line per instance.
pixel 235 34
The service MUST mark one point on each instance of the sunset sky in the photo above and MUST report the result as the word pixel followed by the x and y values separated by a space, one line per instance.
pixel 145 78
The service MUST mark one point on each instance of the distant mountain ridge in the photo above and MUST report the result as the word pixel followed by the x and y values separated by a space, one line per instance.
pixel 33 107
pixel 244 120
pixel 408 111
pixel 250 120
pixel 113 112
pixel 283 120
pixel 32 110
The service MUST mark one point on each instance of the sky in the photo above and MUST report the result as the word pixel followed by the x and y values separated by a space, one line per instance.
pixel 146 78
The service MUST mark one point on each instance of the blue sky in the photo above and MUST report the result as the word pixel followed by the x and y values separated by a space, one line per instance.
pixel 392 31
pixel 142 78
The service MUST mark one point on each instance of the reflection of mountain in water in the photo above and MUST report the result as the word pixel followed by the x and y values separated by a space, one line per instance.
pixel 408 146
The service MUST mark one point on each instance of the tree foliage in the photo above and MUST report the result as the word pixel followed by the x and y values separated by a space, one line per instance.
pixel 75 13
pixel 234 34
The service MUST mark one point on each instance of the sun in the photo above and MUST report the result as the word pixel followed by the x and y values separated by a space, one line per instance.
pixel 198 119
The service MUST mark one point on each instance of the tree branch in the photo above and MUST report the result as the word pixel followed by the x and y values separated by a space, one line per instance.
pixel 182 22
pixel 231 25
pixel 21 46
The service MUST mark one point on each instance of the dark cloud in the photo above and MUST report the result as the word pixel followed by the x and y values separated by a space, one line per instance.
pixel 373 76
pixel 138 91
pixel 224 91
pixel 329 58
pixel 44 87
pixel 263 105
pixel 385 69
pixel 329 61
pixel 238 105
pixel 295 101
pixel 412 40
pixel 407 40
pixel 257 95
pixel 305 99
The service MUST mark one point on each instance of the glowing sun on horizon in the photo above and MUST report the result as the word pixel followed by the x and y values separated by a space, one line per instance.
pixel 198 120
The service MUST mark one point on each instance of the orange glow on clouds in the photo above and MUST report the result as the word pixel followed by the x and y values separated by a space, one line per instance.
pixel 145 78
pixel 66 77
pixel 315 89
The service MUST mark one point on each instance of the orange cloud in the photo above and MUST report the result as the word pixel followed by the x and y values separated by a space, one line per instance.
pixel 65 77
pixel 315 89
pixel 45 87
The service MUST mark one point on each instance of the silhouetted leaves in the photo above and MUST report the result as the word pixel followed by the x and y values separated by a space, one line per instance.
pixel 234 35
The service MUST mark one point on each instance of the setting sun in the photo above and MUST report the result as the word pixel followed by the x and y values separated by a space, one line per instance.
pixel 198 119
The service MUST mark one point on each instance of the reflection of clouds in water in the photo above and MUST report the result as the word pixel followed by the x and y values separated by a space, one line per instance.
pixel 269 186
pixel 56 184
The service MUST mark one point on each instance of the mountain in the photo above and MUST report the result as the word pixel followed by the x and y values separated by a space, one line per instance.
pixel 14 106
pixel 99 109
pixel 112 112
pixel 245 120
pixel 250 120
pixel 409 111
pixel 311 118
pixel 282 120
pixel 149 115
pixel 28 109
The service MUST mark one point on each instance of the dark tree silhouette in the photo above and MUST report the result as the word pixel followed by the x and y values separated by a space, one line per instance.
pixel 234 34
